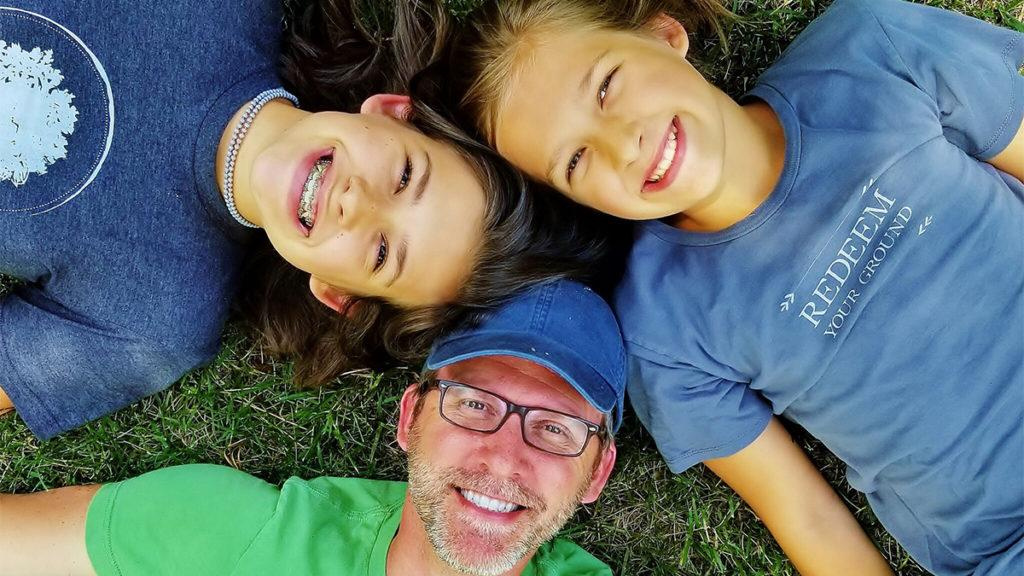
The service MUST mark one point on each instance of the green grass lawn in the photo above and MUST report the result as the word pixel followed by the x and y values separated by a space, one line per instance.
pixel 241 411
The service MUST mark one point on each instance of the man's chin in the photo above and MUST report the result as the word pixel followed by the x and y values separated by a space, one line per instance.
pixel 482 550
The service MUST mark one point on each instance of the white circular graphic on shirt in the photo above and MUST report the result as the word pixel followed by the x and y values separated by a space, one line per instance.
pixel 56 113
pixel 37 115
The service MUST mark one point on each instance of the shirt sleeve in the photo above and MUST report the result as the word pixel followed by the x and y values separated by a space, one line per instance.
pixel 970 68
pixel 61 370
pixel 694 416
pixel 197 519
pixel 561 557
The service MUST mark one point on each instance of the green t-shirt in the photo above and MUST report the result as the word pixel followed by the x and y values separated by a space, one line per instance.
pixel 204 519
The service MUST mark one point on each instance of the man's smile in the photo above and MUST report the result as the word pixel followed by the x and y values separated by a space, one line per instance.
pixel 488 503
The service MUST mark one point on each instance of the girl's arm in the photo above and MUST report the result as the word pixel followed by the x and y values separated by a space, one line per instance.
pixel 803 512
pixel 1011 159
pixel 44 533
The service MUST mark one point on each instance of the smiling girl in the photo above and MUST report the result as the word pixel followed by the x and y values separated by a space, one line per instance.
pixel 841 247
pixel 143 143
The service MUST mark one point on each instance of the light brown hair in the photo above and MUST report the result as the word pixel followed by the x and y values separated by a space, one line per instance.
pixel 488 51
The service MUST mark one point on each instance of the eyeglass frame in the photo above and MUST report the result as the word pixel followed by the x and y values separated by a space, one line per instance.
pixel 443 385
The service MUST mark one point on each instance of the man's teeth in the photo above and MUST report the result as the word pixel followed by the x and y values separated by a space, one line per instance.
pixel 666 158
pixel 488 503
pixel 307 200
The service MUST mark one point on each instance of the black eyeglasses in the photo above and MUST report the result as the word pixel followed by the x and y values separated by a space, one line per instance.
pixel 482 411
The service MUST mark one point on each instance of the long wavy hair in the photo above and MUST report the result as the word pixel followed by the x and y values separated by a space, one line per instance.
pixel 484 55
pixel 334 56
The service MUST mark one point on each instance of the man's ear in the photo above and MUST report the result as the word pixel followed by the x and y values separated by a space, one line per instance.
pixel 669 30
pixel 394 105
pixel 406 414
pixel 601 474
pixel 330 296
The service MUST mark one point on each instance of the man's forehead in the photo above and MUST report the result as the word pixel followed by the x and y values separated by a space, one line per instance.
pixel 521 381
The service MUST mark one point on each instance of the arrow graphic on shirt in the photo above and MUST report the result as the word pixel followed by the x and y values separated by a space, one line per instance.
pixel 923 227
pixel 789 299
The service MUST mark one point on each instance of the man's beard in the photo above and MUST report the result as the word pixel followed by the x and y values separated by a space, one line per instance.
pixel 504 547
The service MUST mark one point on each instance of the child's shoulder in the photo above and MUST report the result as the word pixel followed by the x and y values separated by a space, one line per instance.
pixel 866 33
pixel 852 17
pixel 902 34
pixel 878 10
pixel 847 35
pixel 873 16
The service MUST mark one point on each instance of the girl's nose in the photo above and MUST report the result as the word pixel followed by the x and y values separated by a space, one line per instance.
pixel 357 204
pixel 619 141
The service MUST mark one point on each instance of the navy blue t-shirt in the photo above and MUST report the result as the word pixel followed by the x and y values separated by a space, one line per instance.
pixel 110 117
pixel 876 297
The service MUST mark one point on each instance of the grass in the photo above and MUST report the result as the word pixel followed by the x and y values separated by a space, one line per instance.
pixel 241 411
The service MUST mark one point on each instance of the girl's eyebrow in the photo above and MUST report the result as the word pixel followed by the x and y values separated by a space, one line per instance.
pixel 400 255
pixel 584 89
pixel 403 248
pixel 552 165
pixel 588 78
pixel 424 180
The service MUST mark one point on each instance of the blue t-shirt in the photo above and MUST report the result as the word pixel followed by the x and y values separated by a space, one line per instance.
pixel 110 116
pixel 876 296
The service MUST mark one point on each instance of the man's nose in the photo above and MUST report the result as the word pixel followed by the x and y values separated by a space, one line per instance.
pixel 504 451
pixel 619 141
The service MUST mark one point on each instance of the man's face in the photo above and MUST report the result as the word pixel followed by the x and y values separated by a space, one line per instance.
pixel 487 501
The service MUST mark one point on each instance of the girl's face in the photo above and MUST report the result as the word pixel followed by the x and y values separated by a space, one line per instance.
pixel 369 206
pixel 618 121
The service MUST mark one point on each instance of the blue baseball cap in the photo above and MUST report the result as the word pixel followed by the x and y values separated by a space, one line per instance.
pixel 561 325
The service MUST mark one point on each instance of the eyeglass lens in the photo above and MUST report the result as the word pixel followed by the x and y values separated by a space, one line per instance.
pixel 544 429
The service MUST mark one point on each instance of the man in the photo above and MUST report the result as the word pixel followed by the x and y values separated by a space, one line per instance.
pixel 507 433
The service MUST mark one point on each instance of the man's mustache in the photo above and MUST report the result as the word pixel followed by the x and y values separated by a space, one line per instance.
pixel 487 484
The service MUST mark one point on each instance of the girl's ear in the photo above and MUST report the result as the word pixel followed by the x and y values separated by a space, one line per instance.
pixel 330 296
pixel 670 31
pixel 406 411
pixel 394 105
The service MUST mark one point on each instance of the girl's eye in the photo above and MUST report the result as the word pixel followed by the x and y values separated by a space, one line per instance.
pixel 572 164
pixel 602 91
pixel 403 181
pixel 382 253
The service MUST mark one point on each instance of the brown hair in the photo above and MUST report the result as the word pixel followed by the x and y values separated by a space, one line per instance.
pixel 484 55
pixel 333 60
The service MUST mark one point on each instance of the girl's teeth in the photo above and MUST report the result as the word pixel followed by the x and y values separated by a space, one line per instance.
pixel 488 503
pixel 666 159
pixel 309 189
